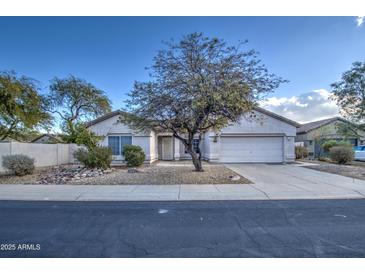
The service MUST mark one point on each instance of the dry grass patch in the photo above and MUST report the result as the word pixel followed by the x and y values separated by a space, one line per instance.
pixel 352 171
pixel 12 179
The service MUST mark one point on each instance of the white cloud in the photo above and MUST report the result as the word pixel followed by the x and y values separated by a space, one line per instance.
pixel 306 107
pixel 360 20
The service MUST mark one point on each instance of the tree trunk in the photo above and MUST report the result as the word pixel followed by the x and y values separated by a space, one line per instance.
pixel 188 143
pixel 195 158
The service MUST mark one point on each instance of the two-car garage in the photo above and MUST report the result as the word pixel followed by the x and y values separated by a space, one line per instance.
pixel 251 149
pixel 261 137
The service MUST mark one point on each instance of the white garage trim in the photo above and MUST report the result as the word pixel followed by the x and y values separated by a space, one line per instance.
pixel 252 149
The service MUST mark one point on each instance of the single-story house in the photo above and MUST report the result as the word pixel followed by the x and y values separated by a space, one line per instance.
pixel 8 140
pixel 312 134
pixel 47 139
pixel 266 138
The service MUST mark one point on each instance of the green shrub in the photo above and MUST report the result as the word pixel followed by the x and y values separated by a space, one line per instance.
pixel 328 145
pixel 333 143
pixel 80 135
pixel 98 157
pixel 301 152
pixel 323 159
pixel 20 164
pixel 133 155
pixel 341 154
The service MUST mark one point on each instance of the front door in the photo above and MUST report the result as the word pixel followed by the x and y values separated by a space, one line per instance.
pixel 167 148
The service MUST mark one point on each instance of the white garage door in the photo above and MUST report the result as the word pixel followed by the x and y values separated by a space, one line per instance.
pixel 251 149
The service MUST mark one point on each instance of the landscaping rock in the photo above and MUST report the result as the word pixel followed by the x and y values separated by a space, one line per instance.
pixel 65 174
pixel 235 177
pixel 133 170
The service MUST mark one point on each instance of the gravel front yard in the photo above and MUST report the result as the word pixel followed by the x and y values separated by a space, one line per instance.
pixel 164 174
pixel 353 171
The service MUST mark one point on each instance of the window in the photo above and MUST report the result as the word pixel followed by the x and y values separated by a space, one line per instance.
pixel 113 143
pixel 195 146
pixel 125 140
pixel 116 143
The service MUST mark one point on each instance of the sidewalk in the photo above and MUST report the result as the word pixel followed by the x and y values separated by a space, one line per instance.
pixel 156 193
pixel 128 192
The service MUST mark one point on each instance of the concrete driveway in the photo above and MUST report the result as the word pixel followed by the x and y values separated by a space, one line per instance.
pixel 294 181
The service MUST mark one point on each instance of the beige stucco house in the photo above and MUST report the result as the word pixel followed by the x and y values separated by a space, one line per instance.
pixel 310 134
pixel 47 139
pixel 268 138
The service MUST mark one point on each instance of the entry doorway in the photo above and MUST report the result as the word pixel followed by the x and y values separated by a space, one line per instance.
pixel 167 148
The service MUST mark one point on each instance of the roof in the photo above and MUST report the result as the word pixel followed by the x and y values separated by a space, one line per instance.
pixel 317 124
pixel 8 139
pixel 277 116
pixel 104 117
pixel 55 137
pixel 259 109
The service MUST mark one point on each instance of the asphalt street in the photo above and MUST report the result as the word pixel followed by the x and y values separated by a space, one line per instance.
pixel 295 228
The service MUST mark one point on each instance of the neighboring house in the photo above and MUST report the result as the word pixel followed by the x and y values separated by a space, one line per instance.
pixel 8 140
pixel 311 135
pixel 266 138
pixel 47 139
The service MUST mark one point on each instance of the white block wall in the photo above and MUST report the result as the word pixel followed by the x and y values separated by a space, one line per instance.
pixel 44 154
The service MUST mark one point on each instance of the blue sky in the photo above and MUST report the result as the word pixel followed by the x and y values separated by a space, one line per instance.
pixel 112 52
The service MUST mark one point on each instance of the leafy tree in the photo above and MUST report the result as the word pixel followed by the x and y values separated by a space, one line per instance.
pixel 349 130
pixel 82 136
pixel 76 100
pixel 349 92
pixel 198 84
pixel 320 136
pixel 22 107
pixel 327 145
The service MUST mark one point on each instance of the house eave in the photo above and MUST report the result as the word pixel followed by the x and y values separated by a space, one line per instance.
pixel 277 116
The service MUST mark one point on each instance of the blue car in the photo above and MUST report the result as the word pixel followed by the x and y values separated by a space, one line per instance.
pixel 358 148
pixel 359 153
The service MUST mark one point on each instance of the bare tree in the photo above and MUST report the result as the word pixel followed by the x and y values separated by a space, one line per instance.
pixel 75 101
pixel 198 84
